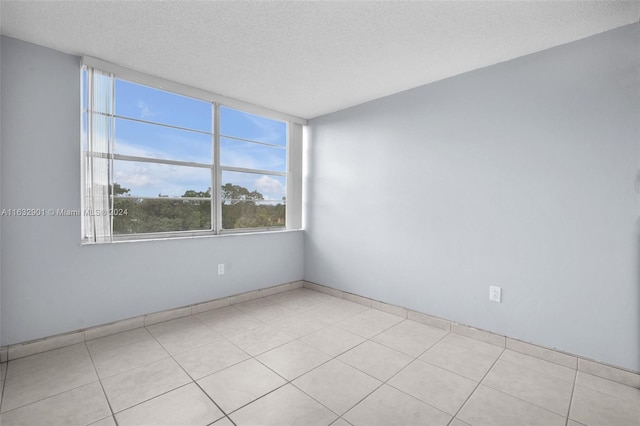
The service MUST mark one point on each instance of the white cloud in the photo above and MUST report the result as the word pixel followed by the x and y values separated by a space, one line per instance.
pixel 151 179
pixel 270 188
pixel 145 112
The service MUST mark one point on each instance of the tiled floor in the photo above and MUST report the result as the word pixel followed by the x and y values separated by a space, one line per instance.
pixel 302 358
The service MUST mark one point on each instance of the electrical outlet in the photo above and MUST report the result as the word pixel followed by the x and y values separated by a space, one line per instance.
pixel 220 268
pixel 495 294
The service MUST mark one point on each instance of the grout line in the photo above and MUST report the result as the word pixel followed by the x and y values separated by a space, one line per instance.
pixel 190 377
pixel 52 395
pixel 523 400
pixel 573 390
pixel 254 357
pixel 113 415
pixel 478 385
pixel 4 385
pixel 258 398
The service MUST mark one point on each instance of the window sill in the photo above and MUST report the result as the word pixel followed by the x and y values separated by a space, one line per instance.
pixel 189 236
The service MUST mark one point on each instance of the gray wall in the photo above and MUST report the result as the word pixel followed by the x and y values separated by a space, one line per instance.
pixel 51 284
pixel 0 196
pixel 519 175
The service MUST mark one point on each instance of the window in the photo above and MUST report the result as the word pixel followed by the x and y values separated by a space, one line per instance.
pixel 160 163
pixel 253 162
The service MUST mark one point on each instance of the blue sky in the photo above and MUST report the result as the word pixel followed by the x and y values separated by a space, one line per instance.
pixel 193 145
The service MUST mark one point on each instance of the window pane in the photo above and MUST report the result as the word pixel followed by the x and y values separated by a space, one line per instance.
pixel 249 155
pixel 138 179
pixel 99 87
pixel 149 104
pixel 252 200
pixel 136 216
pixel 253 127
pixel 154 141
pixel 83 131
pixel 83 97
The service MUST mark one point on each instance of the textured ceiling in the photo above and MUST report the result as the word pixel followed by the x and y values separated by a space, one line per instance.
pixel 308 58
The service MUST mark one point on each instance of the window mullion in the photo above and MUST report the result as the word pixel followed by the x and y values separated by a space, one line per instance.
pixel 112 138
pixel 216 191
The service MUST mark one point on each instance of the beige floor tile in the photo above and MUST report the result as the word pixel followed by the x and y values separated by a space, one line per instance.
pixel 229 321
pixel 293 359
pixel 219 315
pixel 211 358
pixel 458 422
pixel 376 360
pixel 323 297
pixel 223 422
pixel 410 337
pixel 187 405
pixel 286 406
pixel 337 310
pixel 473 345
pixel 340 421
pixel 252 305
pixel 346 305
pixel 182 334
pixel 143 383
pixel 45 362
pixel 119 340
pixel 270 313
pixel 285 296
pixel 614 389
pixel 537 388
pixel 48 378
pixel 79 406
pixel 108 421
pixel 369 323
pixel 388 406
pixel 437 387
pixel 333 340
pixel 240 384
pixel 260 339
pixel 455 354
pixel 598 409
pixel 299 325
pixel 301 291
pixel 342 302
pixel 574 423
pixel 124 351
pixel 489 407
pixel 337 385
pixel 3 370
pixel 539 365
pixel 295 301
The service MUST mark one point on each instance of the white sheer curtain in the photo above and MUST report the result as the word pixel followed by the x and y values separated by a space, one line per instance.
pixel 96 156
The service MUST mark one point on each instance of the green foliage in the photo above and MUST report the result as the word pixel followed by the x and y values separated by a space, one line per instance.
pixel 241 208
pixel 119 190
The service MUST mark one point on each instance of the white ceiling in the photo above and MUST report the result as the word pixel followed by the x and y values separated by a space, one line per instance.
pixel 308 58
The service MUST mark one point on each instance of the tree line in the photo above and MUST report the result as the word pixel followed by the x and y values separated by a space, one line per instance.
pixel 241 208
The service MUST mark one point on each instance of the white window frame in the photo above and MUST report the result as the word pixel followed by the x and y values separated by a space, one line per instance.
pixel 293 219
